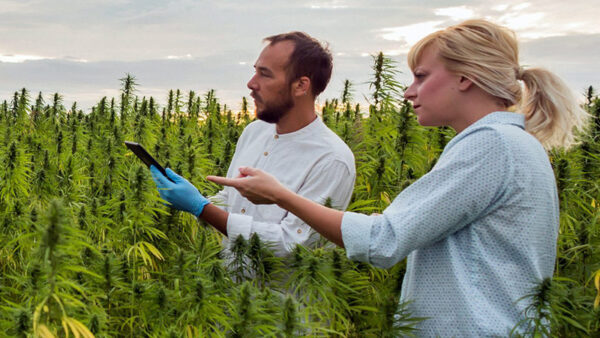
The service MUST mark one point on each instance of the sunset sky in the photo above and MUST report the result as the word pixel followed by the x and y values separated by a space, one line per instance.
pixel 81 48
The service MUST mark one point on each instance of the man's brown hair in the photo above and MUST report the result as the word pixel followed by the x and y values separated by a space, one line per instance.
pixel 309 58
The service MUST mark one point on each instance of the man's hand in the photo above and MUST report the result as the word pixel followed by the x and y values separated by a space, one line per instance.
pixel 254 184
pixel 180 193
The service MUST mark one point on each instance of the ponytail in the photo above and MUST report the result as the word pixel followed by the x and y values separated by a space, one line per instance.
pixel 552 113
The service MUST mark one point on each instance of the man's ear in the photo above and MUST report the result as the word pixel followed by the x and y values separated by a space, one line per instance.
pixel 464 83
pixel 301 86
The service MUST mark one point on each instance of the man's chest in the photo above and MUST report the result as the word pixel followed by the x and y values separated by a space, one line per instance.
pixel 290 162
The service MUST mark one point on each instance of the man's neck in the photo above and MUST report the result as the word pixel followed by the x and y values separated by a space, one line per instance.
pixel 300 116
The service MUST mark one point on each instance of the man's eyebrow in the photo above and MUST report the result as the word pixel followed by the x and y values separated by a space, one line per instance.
pixel 263 69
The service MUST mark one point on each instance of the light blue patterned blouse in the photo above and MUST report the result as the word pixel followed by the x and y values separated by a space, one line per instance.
pixel 479 231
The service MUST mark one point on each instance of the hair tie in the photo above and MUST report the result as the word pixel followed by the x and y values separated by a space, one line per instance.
pixel 519 72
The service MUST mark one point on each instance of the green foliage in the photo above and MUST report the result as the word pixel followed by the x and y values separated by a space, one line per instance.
pixel 88 248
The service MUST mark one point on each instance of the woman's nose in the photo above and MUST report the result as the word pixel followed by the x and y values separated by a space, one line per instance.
pixel 410 93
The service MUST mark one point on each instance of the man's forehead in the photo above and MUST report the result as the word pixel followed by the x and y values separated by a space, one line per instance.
pixel 275 55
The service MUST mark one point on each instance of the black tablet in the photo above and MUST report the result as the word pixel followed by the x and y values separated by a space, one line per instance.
pixel 143 155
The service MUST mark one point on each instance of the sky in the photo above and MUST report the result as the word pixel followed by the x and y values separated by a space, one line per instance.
pixel 81 49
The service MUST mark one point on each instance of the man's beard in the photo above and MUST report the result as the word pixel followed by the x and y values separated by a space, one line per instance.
pixel 274 111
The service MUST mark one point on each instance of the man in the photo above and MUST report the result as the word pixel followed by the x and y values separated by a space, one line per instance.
pixel 289 141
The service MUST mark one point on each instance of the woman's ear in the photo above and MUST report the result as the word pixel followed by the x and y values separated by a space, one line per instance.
pixel 464 83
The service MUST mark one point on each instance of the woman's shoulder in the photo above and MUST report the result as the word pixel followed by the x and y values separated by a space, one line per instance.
pixel 499 145
pixel 482 139
pixel 498 130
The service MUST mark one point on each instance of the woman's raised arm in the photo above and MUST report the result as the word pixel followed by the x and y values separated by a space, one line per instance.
pixel 261 188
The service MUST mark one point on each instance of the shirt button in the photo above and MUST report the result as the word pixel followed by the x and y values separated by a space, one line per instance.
pixel 266 153
pixel 243 211
pixel 299 231
pixel 276 136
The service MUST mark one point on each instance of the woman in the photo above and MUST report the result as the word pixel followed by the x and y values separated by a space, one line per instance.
pixel 480 228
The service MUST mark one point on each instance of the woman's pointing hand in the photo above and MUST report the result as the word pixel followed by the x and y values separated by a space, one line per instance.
pixel 254 184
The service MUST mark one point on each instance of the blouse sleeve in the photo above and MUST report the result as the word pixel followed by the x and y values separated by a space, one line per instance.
pixel 466 184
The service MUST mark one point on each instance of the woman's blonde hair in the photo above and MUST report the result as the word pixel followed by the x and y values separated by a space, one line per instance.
pixel 488 55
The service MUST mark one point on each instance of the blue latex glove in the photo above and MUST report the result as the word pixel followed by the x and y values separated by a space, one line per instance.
pixel 180 193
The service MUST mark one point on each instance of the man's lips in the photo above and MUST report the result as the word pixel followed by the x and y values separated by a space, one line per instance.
pixel 255 97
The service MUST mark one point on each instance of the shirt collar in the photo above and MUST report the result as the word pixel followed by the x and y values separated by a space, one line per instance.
pixel 308 129
pixel 501 117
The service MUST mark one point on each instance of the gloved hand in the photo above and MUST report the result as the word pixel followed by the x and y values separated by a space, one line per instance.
pixel 180 193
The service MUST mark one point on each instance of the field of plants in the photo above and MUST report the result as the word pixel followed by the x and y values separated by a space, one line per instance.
pixel 88 249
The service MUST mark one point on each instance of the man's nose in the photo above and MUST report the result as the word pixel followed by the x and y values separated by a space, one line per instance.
pixel 252 85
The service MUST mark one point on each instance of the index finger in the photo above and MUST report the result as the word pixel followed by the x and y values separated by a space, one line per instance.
pixel 231 182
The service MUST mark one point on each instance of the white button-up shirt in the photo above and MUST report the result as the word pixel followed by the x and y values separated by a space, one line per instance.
pixel 313 162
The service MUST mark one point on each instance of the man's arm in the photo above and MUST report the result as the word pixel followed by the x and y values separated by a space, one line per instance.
pixel 215 213
pixel 330 180
pixel 216 217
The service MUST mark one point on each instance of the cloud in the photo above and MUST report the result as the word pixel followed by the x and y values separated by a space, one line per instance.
pixel 327 4
pixel 180 57
pixel 500 7
pixel 542 19
pixel 74 59
pixel 326 7
pixel 408 35
pixel 456 13
pixel 21 58
pixel 521 6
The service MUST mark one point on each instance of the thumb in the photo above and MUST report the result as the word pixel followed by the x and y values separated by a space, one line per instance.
pixel 248 171
pixel 159 178
pixel 173 176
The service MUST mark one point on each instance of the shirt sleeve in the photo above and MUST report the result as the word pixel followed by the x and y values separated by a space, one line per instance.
pixel 220 199
pixel 462 187
pixel 332 179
